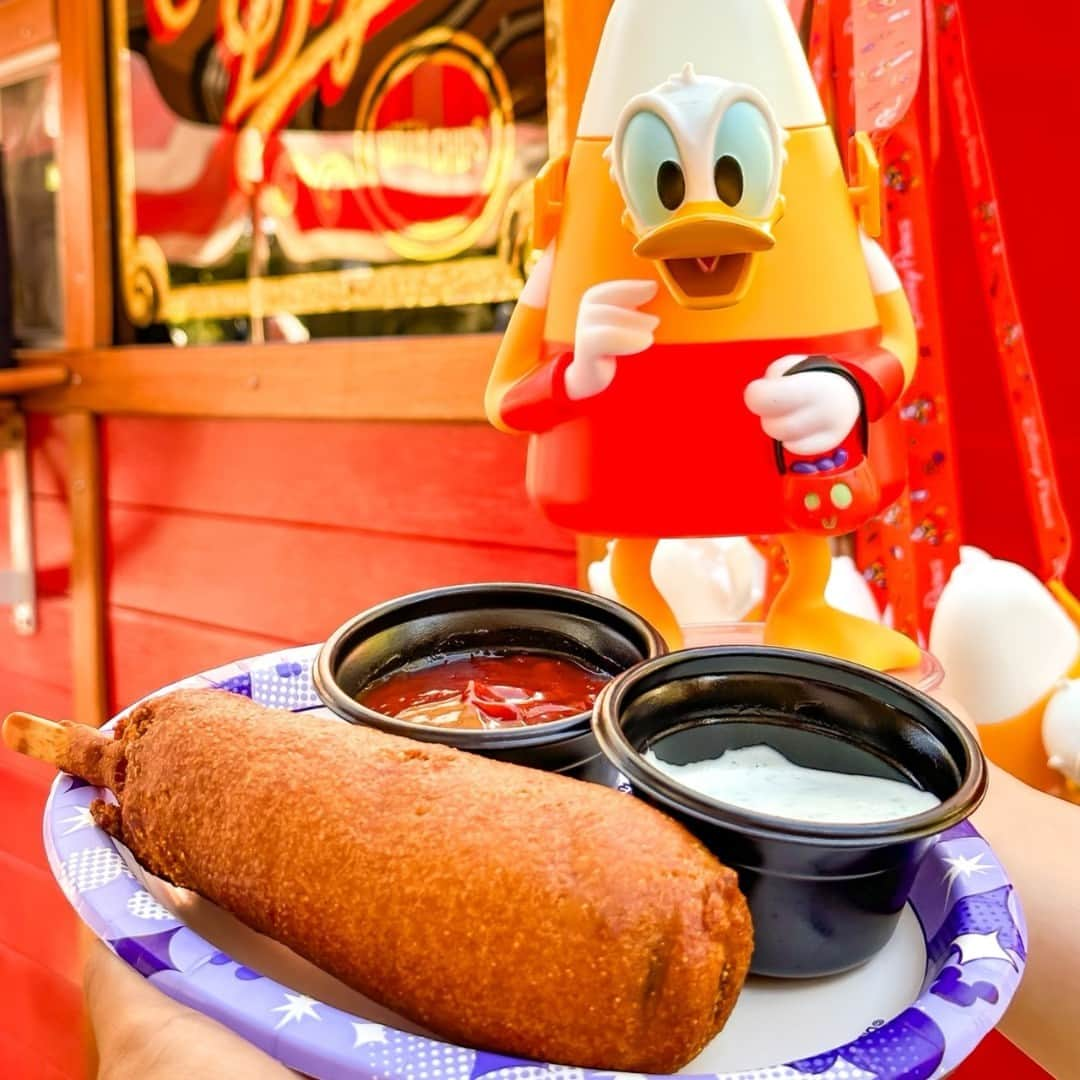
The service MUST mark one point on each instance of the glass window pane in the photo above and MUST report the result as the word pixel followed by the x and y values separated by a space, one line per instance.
pixel 29 128
pixel 308 169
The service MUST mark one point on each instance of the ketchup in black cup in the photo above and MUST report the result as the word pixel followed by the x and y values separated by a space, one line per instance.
pixel 512 653
pixel 493 689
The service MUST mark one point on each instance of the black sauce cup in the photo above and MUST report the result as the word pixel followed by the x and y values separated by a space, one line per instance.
pixel 824 898
pixel 538 618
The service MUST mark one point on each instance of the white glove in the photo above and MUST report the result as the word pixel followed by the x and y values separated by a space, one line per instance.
pixel 811 412
pixel 609 326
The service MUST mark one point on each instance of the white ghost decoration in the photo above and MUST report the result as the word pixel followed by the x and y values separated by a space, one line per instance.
pixel 1002 638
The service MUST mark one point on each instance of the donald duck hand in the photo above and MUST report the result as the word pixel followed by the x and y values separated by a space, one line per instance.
pixel 810 412
pixel 609 326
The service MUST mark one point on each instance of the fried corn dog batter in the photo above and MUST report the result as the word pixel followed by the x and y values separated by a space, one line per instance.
pixel 500 907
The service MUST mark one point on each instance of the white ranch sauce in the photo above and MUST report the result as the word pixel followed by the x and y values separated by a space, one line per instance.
pixel 761 779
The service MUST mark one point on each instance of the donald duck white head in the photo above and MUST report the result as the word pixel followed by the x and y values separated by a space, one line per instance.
pixel 698 162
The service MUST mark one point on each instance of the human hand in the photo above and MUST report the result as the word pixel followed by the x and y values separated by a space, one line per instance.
pixel 609 326
pixel 810 412
pixel 143 1035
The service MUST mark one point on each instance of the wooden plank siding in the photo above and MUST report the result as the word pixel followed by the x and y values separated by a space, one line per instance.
pixel 402 477
pixel 40 959
pixel 413 378
pixel 224 538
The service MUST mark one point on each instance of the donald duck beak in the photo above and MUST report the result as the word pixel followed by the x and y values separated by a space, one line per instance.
pixel 706 251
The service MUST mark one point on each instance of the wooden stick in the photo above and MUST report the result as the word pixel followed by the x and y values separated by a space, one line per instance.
pixel 73 748
pixel 36 737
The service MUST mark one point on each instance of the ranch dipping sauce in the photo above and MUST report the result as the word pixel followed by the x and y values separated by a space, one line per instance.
pixel 762 780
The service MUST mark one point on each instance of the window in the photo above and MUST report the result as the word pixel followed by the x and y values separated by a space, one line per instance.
pixel 29 128
pixel 309 169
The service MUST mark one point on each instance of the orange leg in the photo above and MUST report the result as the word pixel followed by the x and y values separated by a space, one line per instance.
pixel 799 617
pixel 631 574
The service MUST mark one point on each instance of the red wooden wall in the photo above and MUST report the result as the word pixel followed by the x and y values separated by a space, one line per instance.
pixel 225 539
pixel 231 537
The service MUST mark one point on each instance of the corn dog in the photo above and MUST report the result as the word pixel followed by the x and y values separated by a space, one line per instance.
pixel 500 907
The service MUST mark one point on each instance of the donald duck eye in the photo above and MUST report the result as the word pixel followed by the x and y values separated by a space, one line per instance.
pixel 671 185
pixel 729 180
pixel 652 171
pixel 745 159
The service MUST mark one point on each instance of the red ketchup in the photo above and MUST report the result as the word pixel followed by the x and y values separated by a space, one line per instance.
pixel 487 690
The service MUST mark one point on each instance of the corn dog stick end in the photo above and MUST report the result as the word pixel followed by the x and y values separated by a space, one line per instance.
pixel 36 737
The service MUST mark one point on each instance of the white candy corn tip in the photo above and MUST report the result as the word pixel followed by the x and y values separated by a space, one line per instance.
pixel 1061 730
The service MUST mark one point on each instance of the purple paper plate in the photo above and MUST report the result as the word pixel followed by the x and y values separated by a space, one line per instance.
pixel 971 925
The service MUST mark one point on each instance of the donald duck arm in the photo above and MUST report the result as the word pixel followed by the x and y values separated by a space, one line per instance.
pixel 884 373
pixel 539 402
pixel 524 393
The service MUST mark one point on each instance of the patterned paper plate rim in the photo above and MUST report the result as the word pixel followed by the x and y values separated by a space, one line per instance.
pixel 976 945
